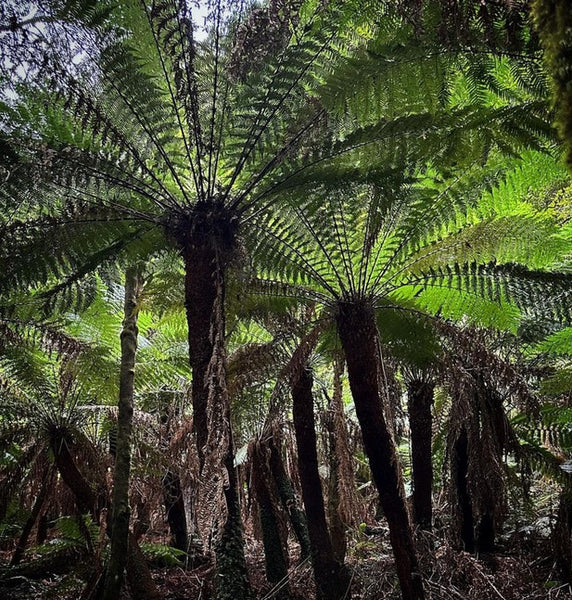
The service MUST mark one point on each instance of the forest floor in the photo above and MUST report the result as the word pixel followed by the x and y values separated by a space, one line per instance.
pixel 521 569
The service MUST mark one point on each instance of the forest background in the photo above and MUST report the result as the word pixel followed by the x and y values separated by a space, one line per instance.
pixel 285 299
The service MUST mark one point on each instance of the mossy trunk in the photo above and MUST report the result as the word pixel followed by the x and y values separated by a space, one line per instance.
pixel 332 578
pixel 289 500
pixel 266 496
pixel 419 403
pixel 232 575
pixel 138 575
pixel 358 333
pixel 121 511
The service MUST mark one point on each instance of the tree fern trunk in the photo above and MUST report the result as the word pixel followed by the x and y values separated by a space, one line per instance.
pixel 420 401
pixel 358 333
pixel 200 297
pixel 121 513
pixel 288 499
pixel 45 487
pixel 175 509
pixel 459 472
pixel 206 250
pixel 275 555
pixel 332 580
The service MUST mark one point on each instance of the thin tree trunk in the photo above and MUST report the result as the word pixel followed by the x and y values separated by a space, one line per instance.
pixel 420 402
pixel 332 580
pixel 121 512
pixel 45 487
pixel 175 508
pixel 358 333
pixel 138 575
pixel 289 500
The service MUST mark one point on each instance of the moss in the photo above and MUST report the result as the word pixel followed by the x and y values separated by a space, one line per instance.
pixel 553 21
pixel 232 577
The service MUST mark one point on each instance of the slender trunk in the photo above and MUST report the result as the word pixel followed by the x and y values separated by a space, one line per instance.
pixel 275 556
pixel 460 469
pixel 175 508
pixel 420 401
pixel 45 487
pixel 332 580
pixel 232 574
pixel 288 499
pixel 138 575
pixel 358 333
pixel 121 512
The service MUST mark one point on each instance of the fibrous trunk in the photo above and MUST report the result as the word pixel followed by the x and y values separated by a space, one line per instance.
pixel 459 473
pixel 358 333
pixel 206 250
pixel 288 498
pixel 175 508
pixel 275 556
pixel 420 401
pixel 332 580
pixel 45 487
pixel 121 512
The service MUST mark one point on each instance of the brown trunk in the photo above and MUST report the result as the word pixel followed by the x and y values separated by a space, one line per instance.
pixel 358 333
pixel 459 472
pixel 207 247
pixel 289 500
pixel 175 508
pixel 419 402
pixel 266 495
pixel 337 528
pixel 562 534
pixel 200 297
pixel 332 580
pixel 87 500
pixel 121 512
pixel 45 487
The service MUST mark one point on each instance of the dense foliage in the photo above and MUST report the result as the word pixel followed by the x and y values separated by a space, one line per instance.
pixel 276 272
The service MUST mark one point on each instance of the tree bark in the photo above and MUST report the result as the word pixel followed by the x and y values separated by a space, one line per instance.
pixel 138 575
pixel 460 469
pixel 207 248
pixel 288 499
pixel 200 297
pixel 121 512
pixel 420 402
pixel 45 487
pixel 275 556
pixel 358 333
pixel 175 508
pixel 332 579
